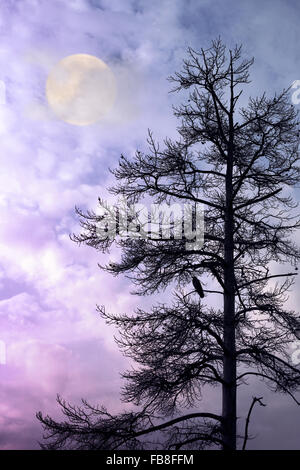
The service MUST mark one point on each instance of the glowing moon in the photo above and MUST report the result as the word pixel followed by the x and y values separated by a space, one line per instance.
pixel 81 89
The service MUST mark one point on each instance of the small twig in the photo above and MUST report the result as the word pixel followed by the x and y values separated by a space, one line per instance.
pixel 254 400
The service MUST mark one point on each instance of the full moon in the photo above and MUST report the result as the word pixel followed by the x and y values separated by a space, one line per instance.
pixel 81 89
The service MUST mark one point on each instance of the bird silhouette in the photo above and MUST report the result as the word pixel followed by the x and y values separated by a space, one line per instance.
pixel 198 286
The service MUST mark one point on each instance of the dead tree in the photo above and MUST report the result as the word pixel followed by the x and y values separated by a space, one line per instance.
pixel 240 163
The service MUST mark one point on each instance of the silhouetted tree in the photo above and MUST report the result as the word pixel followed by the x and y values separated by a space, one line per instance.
pixel 239 162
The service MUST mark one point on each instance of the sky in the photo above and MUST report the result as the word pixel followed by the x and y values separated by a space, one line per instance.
pixel 55 341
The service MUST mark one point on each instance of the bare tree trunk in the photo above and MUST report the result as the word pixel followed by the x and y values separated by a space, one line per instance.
pixel 229 361
pixel 229 371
